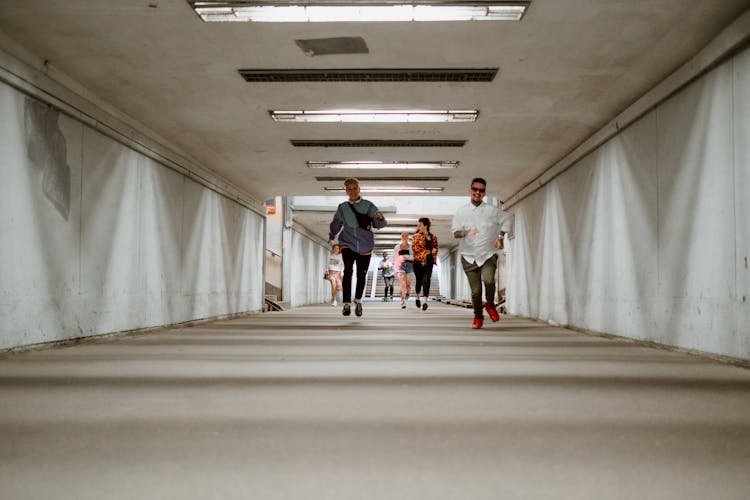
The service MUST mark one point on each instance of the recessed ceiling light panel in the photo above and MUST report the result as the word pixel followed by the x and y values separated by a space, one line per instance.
pixel 377 143
pixel 375 11
pixel 400 178
pixel 376 115
pixel 390 189
pixel 383 165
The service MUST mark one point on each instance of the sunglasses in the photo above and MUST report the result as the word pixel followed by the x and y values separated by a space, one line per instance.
pixel 477 190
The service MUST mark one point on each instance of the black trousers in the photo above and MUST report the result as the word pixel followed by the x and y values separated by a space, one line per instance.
pixel 349 257
pixel 388 285
pixel 423 275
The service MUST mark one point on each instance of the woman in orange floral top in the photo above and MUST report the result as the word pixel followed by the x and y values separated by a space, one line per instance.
pixel 424 247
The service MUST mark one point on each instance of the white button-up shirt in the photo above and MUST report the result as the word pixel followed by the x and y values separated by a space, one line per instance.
pixel 489 221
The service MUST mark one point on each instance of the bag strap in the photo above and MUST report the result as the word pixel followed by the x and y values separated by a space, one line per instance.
pixel 364 221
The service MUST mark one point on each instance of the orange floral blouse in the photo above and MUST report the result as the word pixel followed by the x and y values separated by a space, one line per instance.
pixel 419 248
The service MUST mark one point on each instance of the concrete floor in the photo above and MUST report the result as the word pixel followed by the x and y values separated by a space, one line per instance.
pixel 400 404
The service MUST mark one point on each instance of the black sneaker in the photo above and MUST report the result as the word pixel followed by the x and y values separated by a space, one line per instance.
pixel 424 306
pixel 347 309
pixel 418 303
pixel 358 308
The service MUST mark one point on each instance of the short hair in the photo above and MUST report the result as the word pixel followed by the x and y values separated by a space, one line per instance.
pixel 426 221
pixel 404 234
pixel 351 181
pixel 479 180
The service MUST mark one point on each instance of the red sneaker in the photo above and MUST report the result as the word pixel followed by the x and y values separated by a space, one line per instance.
pixel 492 311
pixel 477 324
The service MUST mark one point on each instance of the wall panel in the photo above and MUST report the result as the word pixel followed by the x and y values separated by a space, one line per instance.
pixel 110 235
pixel 160 251
pixel 644 236
pixel 741 127
pixel 40 216
pixel 98 238
pixel 696 214
pixel 309 260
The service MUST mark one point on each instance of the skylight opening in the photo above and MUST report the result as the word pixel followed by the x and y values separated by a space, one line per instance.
pixel 383 165
pixel 376 115
pixel 260 11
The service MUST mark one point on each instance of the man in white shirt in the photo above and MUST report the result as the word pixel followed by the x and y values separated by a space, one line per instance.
pixel 480 228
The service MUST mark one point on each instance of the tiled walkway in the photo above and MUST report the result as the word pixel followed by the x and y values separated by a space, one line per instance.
pixel 399 404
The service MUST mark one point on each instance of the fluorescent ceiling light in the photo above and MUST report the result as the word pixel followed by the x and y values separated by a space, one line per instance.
pixel 383 165
pixel 401 220
pixel 377 143
pixel 387 189
pixel 376 115
pixel 376 11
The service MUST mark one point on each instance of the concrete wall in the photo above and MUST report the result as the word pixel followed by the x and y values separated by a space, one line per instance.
pixel 649 235
pixel 98 238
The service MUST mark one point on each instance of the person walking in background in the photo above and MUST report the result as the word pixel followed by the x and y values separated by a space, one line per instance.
pixel 389 274
pixel 335 266
pixel 404 264
pixel 424 247
pixel 352 224
pixel 480 228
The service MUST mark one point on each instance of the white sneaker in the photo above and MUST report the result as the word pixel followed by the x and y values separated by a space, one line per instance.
pixel 334 303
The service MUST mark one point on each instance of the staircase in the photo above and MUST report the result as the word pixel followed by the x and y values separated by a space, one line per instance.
pixel 380 285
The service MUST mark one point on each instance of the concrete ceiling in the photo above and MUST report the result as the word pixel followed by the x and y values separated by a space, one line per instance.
pixel 565 70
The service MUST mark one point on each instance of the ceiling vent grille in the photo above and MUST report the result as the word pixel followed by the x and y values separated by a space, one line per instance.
pixel 369 75
pixel 377 143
